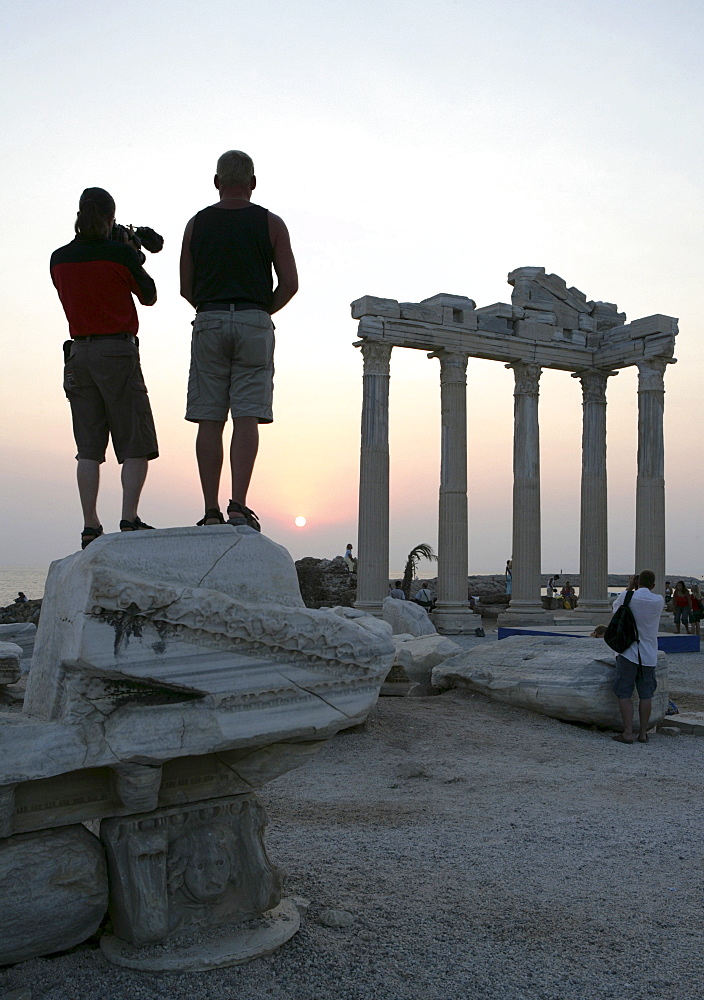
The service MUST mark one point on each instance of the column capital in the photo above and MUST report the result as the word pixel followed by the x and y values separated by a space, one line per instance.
pixel 651 372
pixel 453 366
pixel 593 384
pixel 527 375
pixel 376 356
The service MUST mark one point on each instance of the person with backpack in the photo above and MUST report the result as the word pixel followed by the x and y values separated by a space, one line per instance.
pixel 635 666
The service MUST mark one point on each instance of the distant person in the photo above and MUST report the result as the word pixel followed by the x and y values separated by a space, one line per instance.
pixel 682 606
pixel 569 597
pixel 227 256
pixel 96 278
pixel 668 591
pixel 635 667
pixel 697 609
pixel 424 597
pixel 21 598
pixel 551 590
pixel 509 576
pixel 350 560
pixel 396 591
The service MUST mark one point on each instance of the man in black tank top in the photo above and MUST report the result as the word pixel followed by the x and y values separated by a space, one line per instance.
pixel 228 252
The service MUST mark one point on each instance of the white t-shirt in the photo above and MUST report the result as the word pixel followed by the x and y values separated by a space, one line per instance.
pixel 647 608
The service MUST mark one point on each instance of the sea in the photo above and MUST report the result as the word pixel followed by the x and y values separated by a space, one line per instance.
pixel 30 579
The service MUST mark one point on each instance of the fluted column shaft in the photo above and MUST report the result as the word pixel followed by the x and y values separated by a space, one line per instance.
pixel 452 612
pixel 650 484
pixel 525 597
pixel 593 536
pixel 373 538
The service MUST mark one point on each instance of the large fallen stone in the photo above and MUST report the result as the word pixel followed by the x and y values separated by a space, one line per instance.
pixel 54 891
pixel 405 616
pixel 379 628
pixel 10 656
pixel 418 655
pixel 23 634
pixel 171 643
pixel 562 677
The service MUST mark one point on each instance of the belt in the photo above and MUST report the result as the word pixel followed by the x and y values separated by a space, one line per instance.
pixel 205 307
pixel 109 336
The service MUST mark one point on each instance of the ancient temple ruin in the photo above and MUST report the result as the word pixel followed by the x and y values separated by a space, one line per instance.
pixel 546 325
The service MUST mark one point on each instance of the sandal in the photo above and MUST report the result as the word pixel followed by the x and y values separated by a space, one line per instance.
pixel 238 514
pixel 211 514
pixel 136 525
pixel 89 535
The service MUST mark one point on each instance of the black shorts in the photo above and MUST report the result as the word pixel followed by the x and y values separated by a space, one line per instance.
pixel 105 387
pixel 630 675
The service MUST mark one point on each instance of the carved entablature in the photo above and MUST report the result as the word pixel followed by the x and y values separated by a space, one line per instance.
pixel 546 323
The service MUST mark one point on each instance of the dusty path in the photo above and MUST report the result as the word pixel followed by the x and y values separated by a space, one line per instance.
pixel 483 852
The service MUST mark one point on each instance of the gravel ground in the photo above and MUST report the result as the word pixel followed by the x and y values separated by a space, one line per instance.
pixel 483 853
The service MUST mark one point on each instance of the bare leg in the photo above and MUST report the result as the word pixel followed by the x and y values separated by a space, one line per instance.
pixel 644 707
pixel 626 706
pixel 209 455
pixel 134 472
pixel 243 452
pixel 88 479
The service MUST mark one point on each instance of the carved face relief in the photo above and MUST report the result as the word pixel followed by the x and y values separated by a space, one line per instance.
pixel 208 872
pixel 201 864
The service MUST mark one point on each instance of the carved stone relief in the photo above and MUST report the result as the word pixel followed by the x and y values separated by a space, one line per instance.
pixel 193 867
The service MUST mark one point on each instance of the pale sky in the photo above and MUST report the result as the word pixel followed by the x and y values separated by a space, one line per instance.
pixel 412 148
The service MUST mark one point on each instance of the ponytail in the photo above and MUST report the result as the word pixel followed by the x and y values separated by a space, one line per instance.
pixel 95 209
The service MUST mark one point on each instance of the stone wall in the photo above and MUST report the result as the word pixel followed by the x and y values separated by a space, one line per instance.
pixel 326 583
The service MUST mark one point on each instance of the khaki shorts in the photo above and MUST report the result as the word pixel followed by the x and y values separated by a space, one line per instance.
pixel 104 384
pixel 232 366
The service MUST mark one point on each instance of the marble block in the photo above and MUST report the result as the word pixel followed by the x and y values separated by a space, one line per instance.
pixel 453 301
pixel 168 643
pixel 406 616
pixel 423 313
pixel 54 892
pixel 365 620
pixel 10 657
pixel 562 677
pixel 23 634
pixel 418 655
pixel 372 305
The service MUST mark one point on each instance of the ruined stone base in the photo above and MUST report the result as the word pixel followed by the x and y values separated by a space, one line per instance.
pixel 458 619
pixel 216 949
pixel 531 615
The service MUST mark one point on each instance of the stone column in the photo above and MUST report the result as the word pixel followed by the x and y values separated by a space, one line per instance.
pixel 373 538
pixel 593 537
pixel 526 604
pixel 452 613
pixel 650 485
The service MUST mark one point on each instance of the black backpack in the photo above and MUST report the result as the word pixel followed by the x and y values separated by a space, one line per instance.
pixel 622 631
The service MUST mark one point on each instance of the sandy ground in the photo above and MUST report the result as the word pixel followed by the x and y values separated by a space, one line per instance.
pixel 483 852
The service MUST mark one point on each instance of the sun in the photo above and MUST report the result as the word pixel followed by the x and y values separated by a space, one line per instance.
pixel 300 521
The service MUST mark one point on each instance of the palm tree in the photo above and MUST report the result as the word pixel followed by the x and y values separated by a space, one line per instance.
pixel 422 551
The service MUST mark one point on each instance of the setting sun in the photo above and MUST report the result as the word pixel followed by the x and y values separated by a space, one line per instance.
pixel 300 521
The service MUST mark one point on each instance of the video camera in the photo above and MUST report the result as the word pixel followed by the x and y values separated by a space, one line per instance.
pixel 143 236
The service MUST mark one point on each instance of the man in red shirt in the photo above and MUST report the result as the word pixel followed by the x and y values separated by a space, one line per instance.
pixel 96 278
pixel 229 250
